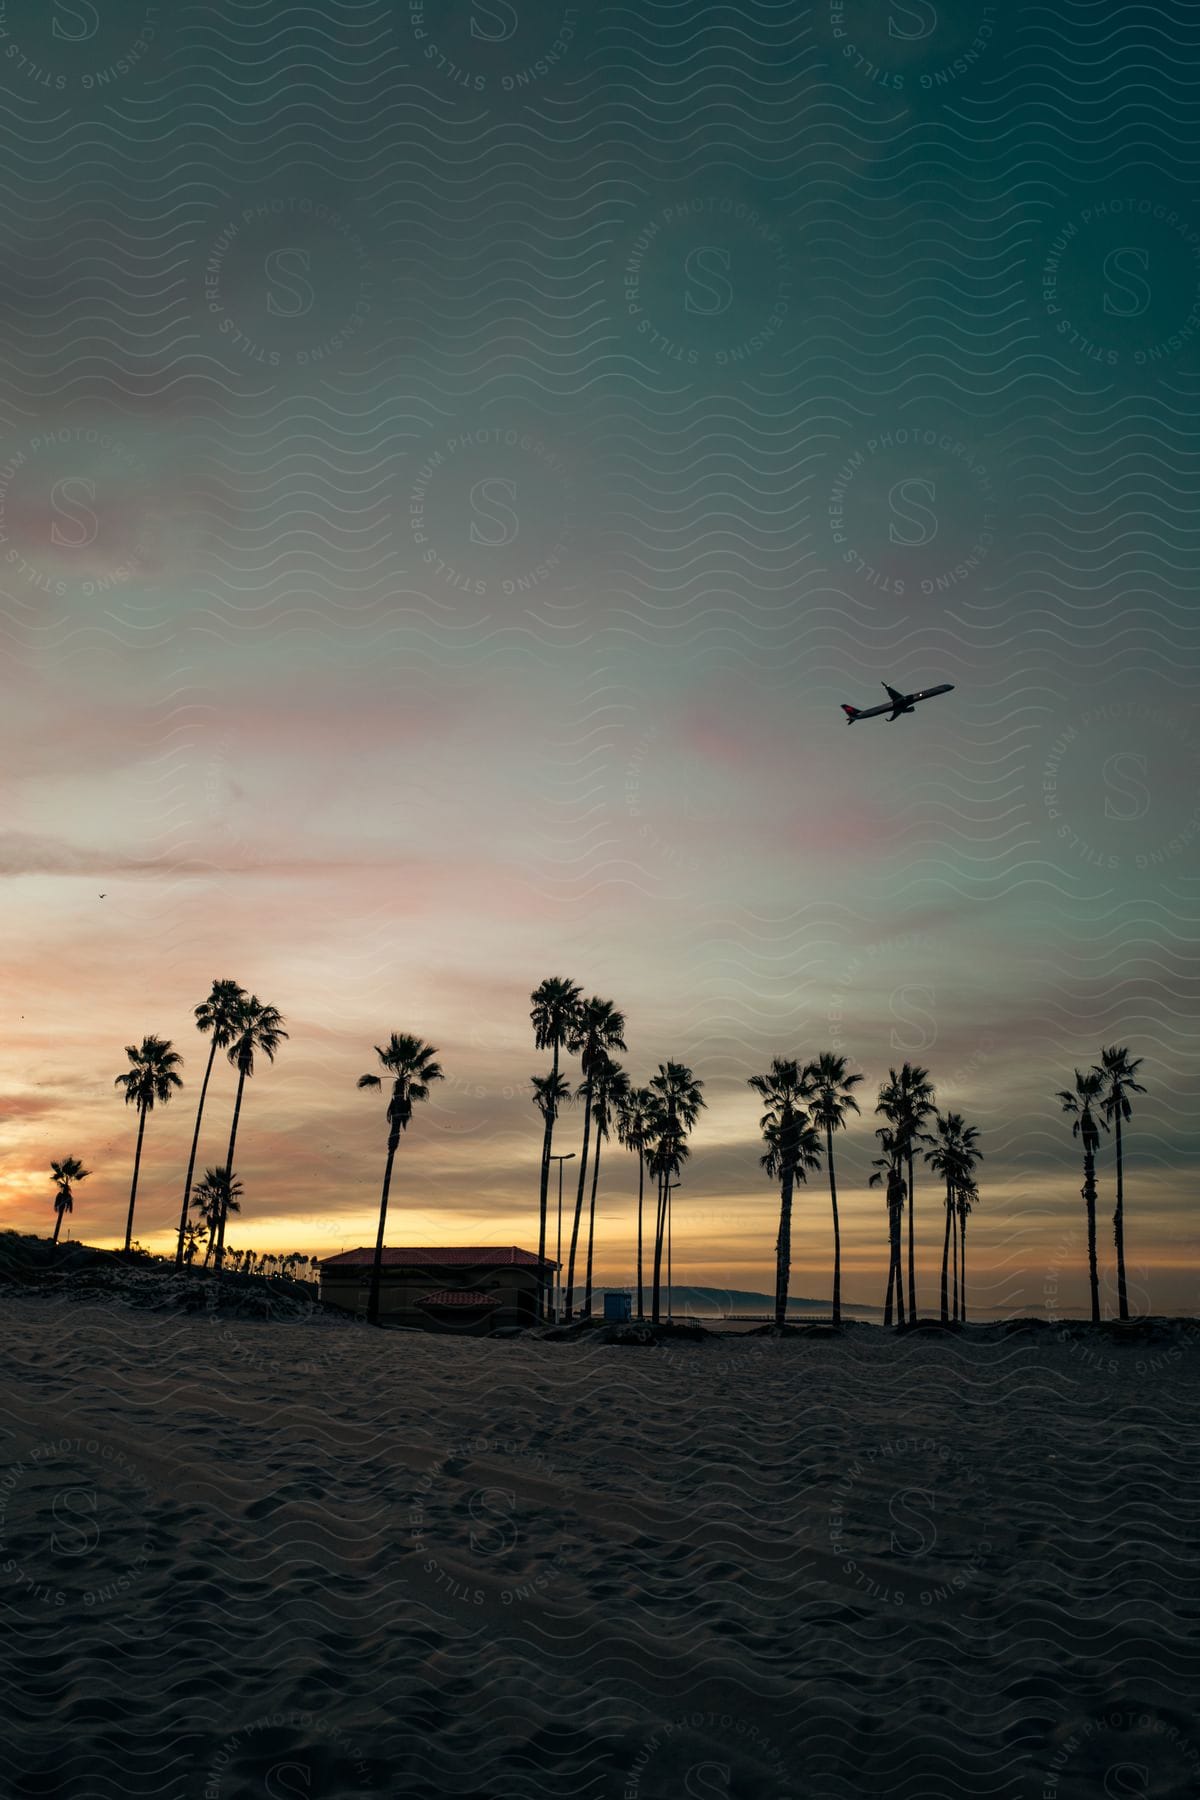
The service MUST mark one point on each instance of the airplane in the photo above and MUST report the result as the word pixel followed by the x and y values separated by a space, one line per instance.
pixel 899 703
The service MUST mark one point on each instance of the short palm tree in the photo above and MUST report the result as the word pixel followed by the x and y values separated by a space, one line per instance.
pixel 64 1173
pixel 680 1098
pixel 554 1008
pixel 952 1154
pixel 792 1148
pixel 214 1198
pixel 610 1086
pixel 1119 1076
pixel 412 1067
pixel 218 1016
pixel 906 1102
pixel 889 1169
pixel 256 1028
pixel 639 1121
pixel 828 1089
pixel 1087 1120
pixel 596 1028
pixel 193 1237
pixel 150 1080
pixel 550 1093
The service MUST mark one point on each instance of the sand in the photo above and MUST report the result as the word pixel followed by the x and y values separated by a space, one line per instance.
pixel 261 1558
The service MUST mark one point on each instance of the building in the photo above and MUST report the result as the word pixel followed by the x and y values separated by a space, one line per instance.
pixel 468 1290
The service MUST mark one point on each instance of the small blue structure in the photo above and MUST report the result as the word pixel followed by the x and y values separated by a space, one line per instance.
pixel 618 1309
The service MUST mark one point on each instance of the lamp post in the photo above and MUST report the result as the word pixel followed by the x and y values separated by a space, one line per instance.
pixel 560 1160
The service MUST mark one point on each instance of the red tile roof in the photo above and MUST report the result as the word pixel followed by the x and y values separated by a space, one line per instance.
pixel 505 1257
pixel 459 1297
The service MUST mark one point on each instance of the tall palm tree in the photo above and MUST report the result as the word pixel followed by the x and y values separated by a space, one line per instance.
pixel 968 1199
pixel 610 1086
pixel 550 1092
pixel 952 1153
pixel 218 1016
pixel 680 1097
pixel 828 1088
pixel 63 1173
pixel 639 1121
pixel 1087 1121
pixel 888 1167
pixel 1119 1077
pixel 554 1010
pixel 257 1027
pixel 150 1080
pixel 412 1067
pixel 792 1148
pixel 216 1196
pixel 596 1028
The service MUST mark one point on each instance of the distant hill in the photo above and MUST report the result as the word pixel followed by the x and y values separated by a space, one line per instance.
pixel 711 1302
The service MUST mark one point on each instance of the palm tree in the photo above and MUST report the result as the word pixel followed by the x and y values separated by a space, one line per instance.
pixel 412 1067
pixel 554 1010
pixel 150 1079
pixel 887 1167
pixel 610 1087
pixel 193 1237
pixel 953 1155
pixel 680 1098
pixel 217 1195
pixel 217 1015
pixel 596 1028
pixel 1119 1077
pixel 906 1101
pixel 549 1093
pixel 827 1087
pixel 256 1027
pixel 639 1121
pixel 67 1170
pixel 968 1199
pixel 792 1148
pixel 1086 1124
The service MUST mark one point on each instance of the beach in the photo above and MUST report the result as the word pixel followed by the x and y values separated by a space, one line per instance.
pixel 257 1558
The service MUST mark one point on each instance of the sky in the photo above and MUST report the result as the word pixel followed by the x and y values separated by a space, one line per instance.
pixel 456 462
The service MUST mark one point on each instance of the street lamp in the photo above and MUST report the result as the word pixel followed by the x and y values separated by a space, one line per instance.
pixel 560 1160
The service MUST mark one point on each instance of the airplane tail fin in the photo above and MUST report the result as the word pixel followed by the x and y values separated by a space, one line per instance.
pixel 851 713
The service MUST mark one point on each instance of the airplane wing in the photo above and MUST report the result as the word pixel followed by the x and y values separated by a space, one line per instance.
pixel 897 699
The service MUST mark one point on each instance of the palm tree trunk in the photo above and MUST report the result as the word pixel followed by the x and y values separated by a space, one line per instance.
pixel 587 1280
pixel 583 1158
pixel 962 1232
pixel 137 1163
pixel 58 1219
pixel 898 1252
pixel 377 1264
pixel 237 1110
pixel 946 1259
pixel 837 1234
pixel 783 1249
pixel 954 1240
pixel 1089 1200
pixel 656 1291
pixel 187 1186
pixel 641 1193
pixel 887 1305
pixel 544 1199
pixel 1119 1226
pixel 912 1254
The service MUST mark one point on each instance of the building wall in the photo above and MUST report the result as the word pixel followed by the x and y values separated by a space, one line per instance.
pixel 400 1289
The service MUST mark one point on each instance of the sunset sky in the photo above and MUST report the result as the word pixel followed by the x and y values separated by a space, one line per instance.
pixel 444 501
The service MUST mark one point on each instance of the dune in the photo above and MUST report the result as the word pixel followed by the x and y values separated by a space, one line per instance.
pixel 296 1557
